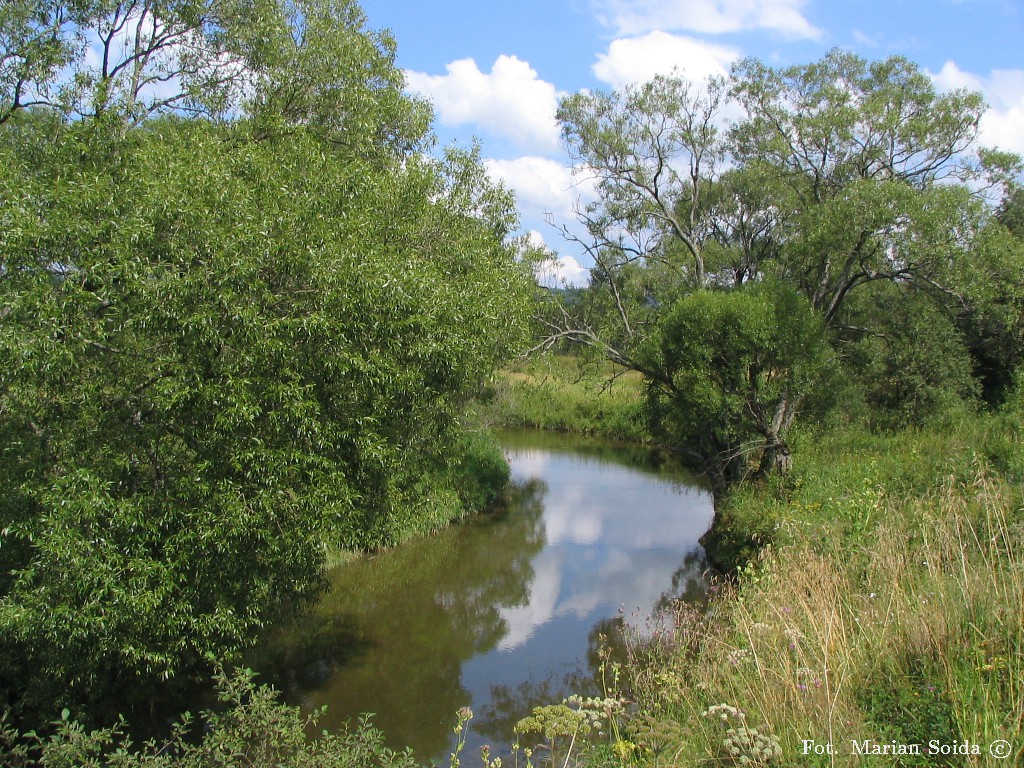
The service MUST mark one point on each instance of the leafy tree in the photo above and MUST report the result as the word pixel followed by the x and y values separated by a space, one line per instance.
pixel 865 160
pixel 840 175
pixel 726 369
pixel 233 331
pixel 651 149
pixel 915 365
pixel 990 314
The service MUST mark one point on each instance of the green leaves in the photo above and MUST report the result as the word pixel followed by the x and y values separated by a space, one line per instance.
pixel 727 371
pixel 843 179
pixel 225 344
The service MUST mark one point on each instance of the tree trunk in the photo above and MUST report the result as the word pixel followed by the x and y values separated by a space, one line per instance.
pixel 775 458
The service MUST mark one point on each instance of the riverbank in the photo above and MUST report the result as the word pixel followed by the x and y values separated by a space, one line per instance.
pixel 878 608
pixel 567 394
pixel 878 604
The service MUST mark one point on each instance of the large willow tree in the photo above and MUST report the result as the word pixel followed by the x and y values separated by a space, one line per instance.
pixel 241 312
pixel 843 185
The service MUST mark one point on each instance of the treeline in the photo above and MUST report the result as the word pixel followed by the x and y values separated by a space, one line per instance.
pixel 828 239
pixel 243 309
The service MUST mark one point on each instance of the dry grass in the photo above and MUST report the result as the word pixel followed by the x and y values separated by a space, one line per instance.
pixel 915 633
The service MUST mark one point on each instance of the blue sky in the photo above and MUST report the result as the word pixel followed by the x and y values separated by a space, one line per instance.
pixel 495 71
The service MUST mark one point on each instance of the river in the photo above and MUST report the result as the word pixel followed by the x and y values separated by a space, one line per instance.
pixel 505 611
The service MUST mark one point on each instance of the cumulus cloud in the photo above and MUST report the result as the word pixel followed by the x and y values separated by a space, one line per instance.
pixel 542 186
pixel 559 271
pixel 1003 124
pixel 510 101
pixel 638 59
pixel 636 17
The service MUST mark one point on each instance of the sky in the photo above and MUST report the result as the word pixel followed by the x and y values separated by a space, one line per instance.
pixel 496 70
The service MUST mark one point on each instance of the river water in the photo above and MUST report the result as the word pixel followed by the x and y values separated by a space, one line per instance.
pixel 505 611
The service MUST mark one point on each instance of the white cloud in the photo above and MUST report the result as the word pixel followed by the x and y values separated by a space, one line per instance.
pixel 510 101
pixel 635 17
pixel 523 621
pixel 638 59
pixel 542 186
pixel 560 270
pixel 1003 124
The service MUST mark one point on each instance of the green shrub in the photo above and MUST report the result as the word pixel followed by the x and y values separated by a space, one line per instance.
pixel 250 728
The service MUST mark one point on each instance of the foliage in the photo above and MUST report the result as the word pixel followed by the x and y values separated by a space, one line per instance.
pixel 563 725
pixel 250 727
pixel 727 370
pixel 991 317
pixel 233 331
pixel 844 180
pixel 865 158
pixel 915 366
pixel 644 202
pixel 741 743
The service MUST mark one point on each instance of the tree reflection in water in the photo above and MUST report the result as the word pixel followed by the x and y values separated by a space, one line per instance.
pixel 393 630
pixel 506 611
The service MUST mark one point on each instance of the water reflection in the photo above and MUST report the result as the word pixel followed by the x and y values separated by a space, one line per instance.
pixel 503 612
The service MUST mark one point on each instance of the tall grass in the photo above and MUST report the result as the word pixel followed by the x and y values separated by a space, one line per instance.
pixel 570 394
pixel 911 633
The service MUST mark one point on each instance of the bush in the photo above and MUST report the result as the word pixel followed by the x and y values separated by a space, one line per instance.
pixel 251 728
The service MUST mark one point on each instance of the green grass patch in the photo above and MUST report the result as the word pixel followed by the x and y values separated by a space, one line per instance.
pixel 842 481
pixel 570 394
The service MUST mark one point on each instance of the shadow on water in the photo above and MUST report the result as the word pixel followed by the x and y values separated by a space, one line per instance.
pixel 503 612
pixel 392 631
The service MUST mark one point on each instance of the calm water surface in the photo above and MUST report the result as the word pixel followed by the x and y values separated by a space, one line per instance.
pixel 503 612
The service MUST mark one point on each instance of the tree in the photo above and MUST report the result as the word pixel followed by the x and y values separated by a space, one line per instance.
pixel 230 336
pixel 652 150
pixel 869 166
pixel 726 370
pixel 839 175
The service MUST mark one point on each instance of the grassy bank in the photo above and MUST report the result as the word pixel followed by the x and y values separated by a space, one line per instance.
pixel 879 606
pixel 567 394
pixel 878 609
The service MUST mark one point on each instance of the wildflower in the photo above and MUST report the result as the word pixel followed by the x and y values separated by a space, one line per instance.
pixel 737 656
